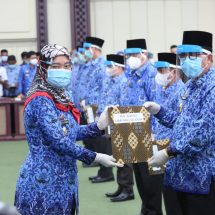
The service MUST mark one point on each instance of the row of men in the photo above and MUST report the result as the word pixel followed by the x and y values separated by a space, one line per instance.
pixel 15 80
pixel 129 79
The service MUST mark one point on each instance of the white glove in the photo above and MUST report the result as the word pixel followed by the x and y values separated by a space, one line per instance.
pixel 159 159
pixel 106 160
pixel 83 104
pixel 152 107
pixel 103 120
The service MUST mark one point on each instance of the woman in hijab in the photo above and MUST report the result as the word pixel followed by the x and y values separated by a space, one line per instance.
pixel 48 182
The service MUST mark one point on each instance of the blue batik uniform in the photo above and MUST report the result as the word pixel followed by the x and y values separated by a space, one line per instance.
pixel 193 137
pixel 13 76
pixel 26 76
pixel 48 181
pixel 141 86
pixel 112 91
pixel 72 90
pixel 95 80
pixel 167 98
pixel 82 83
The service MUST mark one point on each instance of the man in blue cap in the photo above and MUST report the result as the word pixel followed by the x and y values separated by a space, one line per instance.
pixel 169 87
pixel 141 87
pixel 190 157
pixel 114 85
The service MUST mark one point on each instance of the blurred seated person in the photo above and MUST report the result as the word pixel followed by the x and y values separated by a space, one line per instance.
pixel 4 57
pixel 26 74
pixel 12 69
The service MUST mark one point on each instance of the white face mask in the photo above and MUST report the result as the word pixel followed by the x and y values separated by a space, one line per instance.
pixel 33 61
pixel 134 62
pixel 163 79
pixel 111 71
pixel 4 58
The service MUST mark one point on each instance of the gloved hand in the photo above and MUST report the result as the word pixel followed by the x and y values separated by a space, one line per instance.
pixel 83 104
pixel 159 159
pixel 152 107
pixel 107 160
pixel 103 120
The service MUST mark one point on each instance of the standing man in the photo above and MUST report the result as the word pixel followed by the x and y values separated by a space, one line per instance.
pixel 114 85
pixel 169 87
pixel 13 75
pixel 141 87
pixel 190 169
pixel 26 74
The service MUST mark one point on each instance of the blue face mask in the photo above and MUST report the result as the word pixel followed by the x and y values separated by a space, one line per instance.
pixel 12 66
pixel 192 68
pixel 88 54
pixel 81 58
pixel 59 78
pixel 75 60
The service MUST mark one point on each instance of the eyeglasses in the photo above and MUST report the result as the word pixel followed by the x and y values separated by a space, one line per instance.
pixel 191 56
pixel 67 66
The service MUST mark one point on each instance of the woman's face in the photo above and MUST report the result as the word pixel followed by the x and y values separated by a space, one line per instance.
pixel 61 62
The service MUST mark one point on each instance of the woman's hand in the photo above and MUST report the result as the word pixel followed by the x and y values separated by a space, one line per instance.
pixel 152 107
pixel 159 159
pixel 103 120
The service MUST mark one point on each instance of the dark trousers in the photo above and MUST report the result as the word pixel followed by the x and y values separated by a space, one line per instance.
pixel 196 204
pixel 171 201
pixel 103 145
pixel 149 188
pixel 125 178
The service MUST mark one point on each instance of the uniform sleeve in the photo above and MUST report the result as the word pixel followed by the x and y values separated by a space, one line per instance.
pixel 20 80
pixel 89 131
pixel 42 111
pixel 167 117
pixel 4 74
pixel 201 134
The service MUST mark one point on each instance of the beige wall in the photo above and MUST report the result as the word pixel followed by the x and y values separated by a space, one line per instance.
pixel 161 22
pixel 59 26
pixel 18 26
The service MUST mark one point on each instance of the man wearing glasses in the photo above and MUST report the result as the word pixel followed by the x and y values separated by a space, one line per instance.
pixel 190 169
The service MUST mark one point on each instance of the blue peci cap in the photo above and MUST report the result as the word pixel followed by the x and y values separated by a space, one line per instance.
pixel 188 48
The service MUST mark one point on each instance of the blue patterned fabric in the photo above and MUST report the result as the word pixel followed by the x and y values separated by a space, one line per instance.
pixel 112 91
pixel 82 83
pixel 94 81
pixel 167 98
pixel 48 182
pixel 26 76
pixel 140 87
pixel 193 137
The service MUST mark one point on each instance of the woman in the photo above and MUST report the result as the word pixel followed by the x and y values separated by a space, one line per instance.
pixel 48 182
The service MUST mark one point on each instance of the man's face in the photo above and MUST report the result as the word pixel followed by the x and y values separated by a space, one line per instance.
pixel 11 62
pixel 4 54
pixel 173 50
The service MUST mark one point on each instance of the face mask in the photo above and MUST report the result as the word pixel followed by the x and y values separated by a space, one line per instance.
pixel 163 79
pixel 75 60
pixel 33 61
pixel 111 71
pixel 59 78
pixel 134 62
pixel 88 54
pixel 12 66
pixel 4 58
pixel 192 68
pixel 81 58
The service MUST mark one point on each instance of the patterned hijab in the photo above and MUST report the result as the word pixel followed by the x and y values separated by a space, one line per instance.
pixel 40 86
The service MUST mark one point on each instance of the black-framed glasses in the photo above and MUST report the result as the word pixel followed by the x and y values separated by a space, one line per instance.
pixel 192 56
